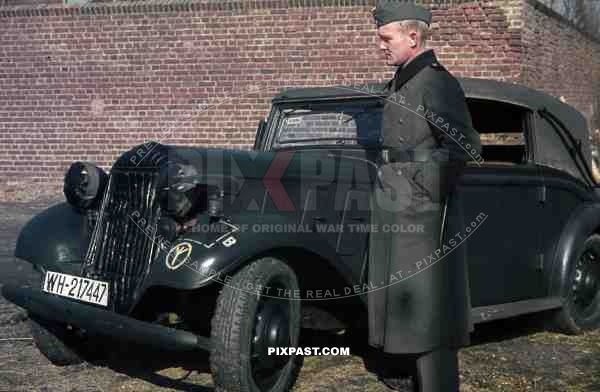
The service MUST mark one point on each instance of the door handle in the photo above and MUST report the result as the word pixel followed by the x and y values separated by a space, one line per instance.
pixel 357 218
pixel 541 194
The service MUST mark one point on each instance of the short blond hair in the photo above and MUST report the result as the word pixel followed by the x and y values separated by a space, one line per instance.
pixel 419 26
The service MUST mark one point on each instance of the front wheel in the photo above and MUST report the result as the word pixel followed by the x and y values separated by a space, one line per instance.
pixel 581 311
pixel 245 325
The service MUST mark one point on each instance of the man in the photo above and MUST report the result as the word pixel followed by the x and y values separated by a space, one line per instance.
pixel 427 138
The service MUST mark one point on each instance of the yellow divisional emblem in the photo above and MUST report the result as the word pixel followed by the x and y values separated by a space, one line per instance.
pixel 178 255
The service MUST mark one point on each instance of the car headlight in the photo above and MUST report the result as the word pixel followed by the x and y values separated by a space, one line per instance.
pixel 84 185
pixel 178 189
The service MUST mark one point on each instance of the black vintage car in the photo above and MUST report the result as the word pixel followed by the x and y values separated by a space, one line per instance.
pixel 233 252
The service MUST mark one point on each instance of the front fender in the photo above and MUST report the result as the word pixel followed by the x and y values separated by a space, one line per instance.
pixel 53 239
pixel 584 221
pixel 212 255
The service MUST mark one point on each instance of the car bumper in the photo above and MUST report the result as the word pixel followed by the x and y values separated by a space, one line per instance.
pixel 103 322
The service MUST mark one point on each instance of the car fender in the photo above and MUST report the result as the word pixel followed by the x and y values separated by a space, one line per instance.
pixel 211 257
pixel 54 239
pixel 583 222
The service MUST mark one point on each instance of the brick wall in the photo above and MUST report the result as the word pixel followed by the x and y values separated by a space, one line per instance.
pixel 87 83
pixel 560 60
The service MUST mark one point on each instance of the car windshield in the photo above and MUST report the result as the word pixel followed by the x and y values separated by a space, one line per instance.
pixel 353 123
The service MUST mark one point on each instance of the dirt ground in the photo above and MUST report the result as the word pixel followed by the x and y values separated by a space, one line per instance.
pixel 512 355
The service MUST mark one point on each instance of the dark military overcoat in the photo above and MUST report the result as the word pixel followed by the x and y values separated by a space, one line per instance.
pixel 427 136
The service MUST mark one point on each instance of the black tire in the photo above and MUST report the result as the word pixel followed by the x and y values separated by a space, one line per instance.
pixel 54 342
pixel 581 311
pixel 238 360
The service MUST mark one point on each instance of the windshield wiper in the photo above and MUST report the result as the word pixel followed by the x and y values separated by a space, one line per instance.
pixel 296 111
pixel 339 140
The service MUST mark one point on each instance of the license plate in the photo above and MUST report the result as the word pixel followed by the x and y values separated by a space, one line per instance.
pixel 76 287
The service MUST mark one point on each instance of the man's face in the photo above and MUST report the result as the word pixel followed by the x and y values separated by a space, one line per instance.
pixel 395 44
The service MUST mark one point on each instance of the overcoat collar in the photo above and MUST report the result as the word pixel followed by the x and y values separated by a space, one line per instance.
pixel 404 74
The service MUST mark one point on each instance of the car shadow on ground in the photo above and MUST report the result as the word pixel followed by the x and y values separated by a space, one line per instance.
pixel 158 368
pixel 484 333
pixel 149 366
pixel 512 328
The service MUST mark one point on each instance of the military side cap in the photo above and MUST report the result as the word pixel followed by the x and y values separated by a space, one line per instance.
pixel 388 11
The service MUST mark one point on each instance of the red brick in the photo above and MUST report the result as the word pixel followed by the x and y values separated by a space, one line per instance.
pixel 77 86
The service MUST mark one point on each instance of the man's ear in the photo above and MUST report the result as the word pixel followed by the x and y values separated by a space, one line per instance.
pixel 413 38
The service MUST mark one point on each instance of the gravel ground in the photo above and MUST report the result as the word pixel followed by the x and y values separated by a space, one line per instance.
pixel 512 355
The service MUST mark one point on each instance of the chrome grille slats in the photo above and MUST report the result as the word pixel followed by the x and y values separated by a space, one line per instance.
pixel 134 244
pixel 130 232
pixel 108 239
pixel 154 214
pixel 120 250
pixel 96 235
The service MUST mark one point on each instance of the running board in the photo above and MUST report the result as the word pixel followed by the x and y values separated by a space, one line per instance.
pixel 483 314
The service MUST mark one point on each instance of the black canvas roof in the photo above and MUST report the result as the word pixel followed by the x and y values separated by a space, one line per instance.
pixel 474 88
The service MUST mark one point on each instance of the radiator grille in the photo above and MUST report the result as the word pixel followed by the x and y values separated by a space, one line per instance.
pixel 121 248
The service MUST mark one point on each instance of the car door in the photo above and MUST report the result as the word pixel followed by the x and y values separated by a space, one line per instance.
pixel 500 232
pixel 355 175
pixel 565 186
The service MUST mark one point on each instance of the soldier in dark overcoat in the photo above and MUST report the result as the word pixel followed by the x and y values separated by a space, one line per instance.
pixel 428 136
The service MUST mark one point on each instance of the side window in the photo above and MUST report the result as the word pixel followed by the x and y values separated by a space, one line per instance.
pixel 503 131
pixel 552 149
